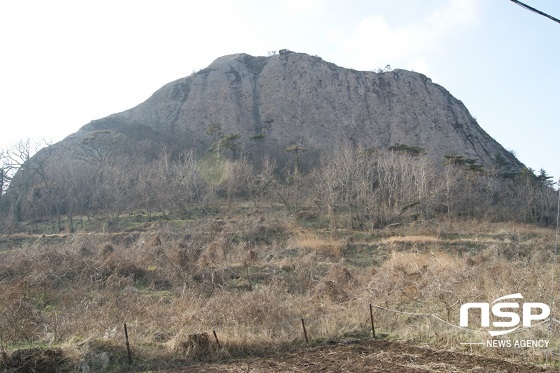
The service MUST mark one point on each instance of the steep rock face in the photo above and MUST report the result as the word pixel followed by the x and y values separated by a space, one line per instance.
pixel 293 98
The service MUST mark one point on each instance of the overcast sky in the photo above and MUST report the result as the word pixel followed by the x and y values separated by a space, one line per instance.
pixel 65 63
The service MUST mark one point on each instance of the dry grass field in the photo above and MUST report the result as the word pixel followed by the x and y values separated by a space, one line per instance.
pixel 251 275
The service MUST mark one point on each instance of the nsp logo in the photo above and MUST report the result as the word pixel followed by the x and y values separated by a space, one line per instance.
pixel 499 310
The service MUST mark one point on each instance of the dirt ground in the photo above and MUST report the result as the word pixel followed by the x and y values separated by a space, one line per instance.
pixel 376 356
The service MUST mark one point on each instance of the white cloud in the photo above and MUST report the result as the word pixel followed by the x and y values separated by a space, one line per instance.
pixel 298 7
pixel 453 14
pixel 374 42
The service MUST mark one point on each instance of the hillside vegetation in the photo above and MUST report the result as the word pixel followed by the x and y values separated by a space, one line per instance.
pixel 179 247
pixel 251 275
pixel 369 188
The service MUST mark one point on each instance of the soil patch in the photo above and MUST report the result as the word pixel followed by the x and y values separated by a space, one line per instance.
pixel 375 356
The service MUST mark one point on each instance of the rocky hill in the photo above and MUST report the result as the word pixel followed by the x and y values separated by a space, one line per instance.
pixel 266 104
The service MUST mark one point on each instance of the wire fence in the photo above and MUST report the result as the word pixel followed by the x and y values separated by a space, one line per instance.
pixel 307 328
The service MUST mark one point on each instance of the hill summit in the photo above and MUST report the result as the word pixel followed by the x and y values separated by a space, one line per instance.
pixel 266 104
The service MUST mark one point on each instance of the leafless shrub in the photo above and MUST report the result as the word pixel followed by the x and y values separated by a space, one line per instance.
pixel 251 256
pixel 214 254
pixel 107 250
pixel 28 360
pixel 156 241
pixel 337 285
pixel 197 345
pixel 19 321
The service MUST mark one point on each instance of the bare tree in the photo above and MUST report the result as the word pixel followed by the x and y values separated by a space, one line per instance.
pixel 171 183
pixel 263 182
pixel 28 160
pixel 297 150
pixel 237 179
pixel 6 172
pixel 347 180
pixel 99 147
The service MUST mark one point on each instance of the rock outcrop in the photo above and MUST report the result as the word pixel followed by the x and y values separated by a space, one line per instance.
pixel 294 98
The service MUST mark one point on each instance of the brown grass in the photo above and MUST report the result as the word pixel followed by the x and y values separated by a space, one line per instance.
pixel 413 239
pixel 311 241
pixel 253 290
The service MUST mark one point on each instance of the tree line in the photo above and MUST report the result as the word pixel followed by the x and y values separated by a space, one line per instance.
pixel 349 186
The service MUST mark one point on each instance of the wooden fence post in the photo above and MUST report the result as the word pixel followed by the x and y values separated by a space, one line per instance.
pixel 371 317
pixel 216 336
pixel 127 345
pixel 304 331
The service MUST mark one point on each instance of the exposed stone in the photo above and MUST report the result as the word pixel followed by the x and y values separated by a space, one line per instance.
pixel 294 98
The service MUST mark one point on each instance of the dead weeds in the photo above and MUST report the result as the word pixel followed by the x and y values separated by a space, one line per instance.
pixel 253 283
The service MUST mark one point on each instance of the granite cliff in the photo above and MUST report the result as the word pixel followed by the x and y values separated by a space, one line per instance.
pixel 270 103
